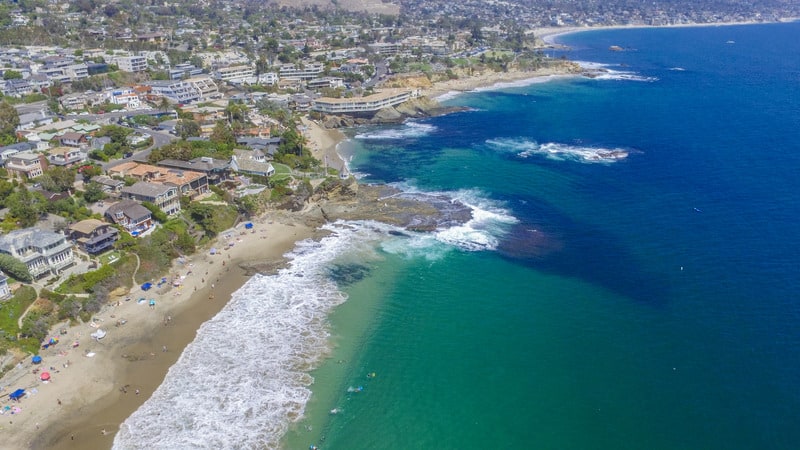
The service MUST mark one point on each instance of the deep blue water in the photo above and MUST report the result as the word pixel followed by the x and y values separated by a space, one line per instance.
pixel 650 302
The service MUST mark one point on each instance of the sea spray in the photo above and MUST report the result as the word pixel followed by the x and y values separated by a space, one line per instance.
pixel 410 129
pixel 525 148
pixel 244 379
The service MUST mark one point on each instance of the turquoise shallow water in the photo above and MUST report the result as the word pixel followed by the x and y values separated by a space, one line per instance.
pixel 649 302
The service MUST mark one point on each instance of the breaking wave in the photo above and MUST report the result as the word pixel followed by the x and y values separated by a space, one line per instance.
pixel 245 379
pixel 483 231
pixel 600 71
pixel 560 152
pixel 409 129
pixel 523 82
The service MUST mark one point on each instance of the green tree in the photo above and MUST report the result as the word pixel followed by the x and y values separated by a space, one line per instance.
pixel 12 75
pixel 236 112
pixel 14 267
pixel 248 205
pixel 187 128
pixel 94 192
pixel 117 133
pixel 6 188
pixel 25 206
pixel 9 121
pixel 164 104
pixel 157 213
pixel 90 171
pixel 57 179
pixel 292 142
pixel 223 134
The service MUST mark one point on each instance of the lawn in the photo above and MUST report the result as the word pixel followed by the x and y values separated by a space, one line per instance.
pixel 110 257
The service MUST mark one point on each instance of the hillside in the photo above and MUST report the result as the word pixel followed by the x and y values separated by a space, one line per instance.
pixel 370 6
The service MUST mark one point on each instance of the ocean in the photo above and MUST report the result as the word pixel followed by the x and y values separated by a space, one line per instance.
pixel 629 278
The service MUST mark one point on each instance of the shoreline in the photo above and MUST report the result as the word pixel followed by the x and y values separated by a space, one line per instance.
pixel 85 401
pixel 83 397
pixel 549 34
pixel 489 80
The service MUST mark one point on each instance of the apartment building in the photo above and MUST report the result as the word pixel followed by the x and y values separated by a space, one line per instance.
pixel 131 63
pixel 181 71
pixel 235 74
pixel 300 72
pixel 127 97
pixel 177 91
pixel 367 104
pixel 206 87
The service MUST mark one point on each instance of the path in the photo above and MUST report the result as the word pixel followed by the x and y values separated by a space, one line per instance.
pixel 133 277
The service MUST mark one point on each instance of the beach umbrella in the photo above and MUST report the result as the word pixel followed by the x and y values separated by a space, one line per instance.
pixel 16 395
pixel 213 250
pixel 45 376
pixel 36 359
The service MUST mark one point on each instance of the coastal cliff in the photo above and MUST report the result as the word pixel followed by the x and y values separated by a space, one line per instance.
pixel 414 108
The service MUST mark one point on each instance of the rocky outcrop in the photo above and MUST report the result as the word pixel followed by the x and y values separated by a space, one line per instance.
pixel 348 200
pixel 387 115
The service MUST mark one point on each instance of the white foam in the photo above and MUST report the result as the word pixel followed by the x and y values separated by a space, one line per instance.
pixel 622 75
pixel 677 69
pixel 410 129
pixel 244 378
pixel 525 148
pixel 449 95
pixel 523 83
pixel 602 71
pixel 592 65
pixel 483 231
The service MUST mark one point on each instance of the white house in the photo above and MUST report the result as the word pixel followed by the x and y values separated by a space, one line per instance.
pixel 5 292
pixel 43 252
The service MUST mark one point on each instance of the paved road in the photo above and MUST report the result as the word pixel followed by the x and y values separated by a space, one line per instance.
pixel 381 69
pixel 160 139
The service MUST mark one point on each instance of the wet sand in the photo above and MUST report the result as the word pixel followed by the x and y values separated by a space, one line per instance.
pixel 88 398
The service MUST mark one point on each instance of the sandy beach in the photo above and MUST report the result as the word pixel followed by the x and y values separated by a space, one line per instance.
pixel 323 143
pixel 549 34
pixel 96 384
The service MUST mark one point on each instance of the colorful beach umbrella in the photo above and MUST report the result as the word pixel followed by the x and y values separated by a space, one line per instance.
pixel 45 376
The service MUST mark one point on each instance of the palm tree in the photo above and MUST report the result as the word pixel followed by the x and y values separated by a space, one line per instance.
pixel 164 105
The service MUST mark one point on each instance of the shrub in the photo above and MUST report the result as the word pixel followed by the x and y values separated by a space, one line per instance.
pixel 14 267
